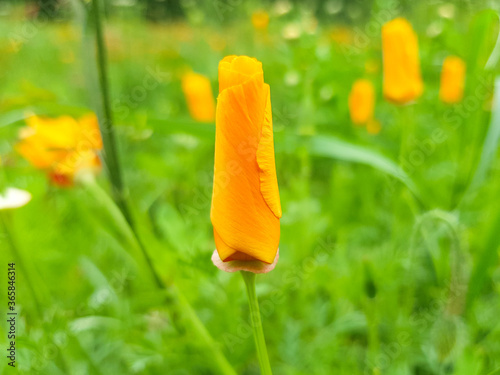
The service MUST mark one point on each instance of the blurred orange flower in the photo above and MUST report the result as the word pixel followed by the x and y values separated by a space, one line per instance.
pixel 452 80
pixel 260 20
pixel 402 79
pixel 361 102
pixel 199 97
pixel 246 204
pixel 61 146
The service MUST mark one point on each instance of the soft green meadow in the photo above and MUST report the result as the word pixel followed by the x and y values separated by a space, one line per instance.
pixel 389 242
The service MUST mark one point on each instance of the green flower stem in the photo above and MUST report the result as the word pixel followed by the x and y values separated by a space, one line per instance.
pixel 106 117
pixel 120 211
pixel 258 333
pixel 108 136
pixel 185 310
pixel 116 215
pixel 176 299
pixel 407 127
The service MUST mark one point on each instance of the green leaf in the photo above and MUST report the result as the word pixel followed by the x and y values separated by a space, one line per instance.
pixel 487 259
pixel 482 38
pixel 339 149
pixel 490 145
pixel 12 117
pixel 495 372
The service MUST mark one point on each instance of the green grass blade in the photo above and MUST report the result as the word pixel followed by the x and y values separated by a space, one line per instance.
pixel 495 372
pixel 483 35
pixel 490 145
pixel 487 260
pixel 339 149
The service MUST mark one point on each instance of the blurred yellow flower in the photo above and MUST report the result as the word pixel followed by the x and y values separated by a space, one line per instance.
pixel 361 102
pixel 199 97
pixel 61 146
pixel 217 42
pixel 260 20
pixel 452 80
pixel 402 79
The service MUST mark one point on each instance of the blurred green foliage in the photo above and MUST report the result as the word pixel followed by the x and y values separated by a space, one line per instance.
pixel 388 256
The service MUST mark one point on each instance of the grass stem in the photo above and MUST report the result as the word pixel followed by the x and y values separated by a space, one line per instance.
pixel 258 332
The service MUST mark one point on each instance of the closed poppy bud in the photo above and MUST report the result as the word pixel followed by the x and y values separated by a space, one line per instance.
pixel 402 79
pixel 452 80
pixel 199 97
pixel 61 146
pixel 361 102
pixel 246 205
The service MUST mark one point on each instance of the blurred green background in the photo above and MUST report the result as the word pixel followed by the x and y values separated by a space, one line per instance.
pixel 389 241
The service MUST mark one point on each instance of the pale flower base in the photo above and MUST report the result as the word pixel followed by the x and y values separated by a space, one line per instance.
pixel 255 266
pixel 13 198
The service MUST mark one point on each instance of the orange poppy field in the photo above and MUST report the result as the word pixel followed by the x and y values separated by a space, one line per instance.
pixel 249 187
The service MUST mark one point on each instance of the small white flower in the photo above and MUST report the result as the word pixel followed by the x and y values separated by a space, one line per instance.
pixel 13 198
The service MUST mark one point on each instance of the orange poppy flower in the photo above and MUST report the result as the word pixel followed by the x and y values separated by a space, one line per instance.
pixel 246 204
pixel 199 97
pixel 61 146
pixel 361 102
pixel 402 79
pixel 452 85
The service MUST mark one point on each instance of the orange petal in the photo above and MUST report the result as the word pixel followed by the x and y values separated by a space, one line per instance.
pixel 58 133
pixel 61 145
pixel 267 164
pixel 37 153
pixel 236 70
pixel 89 127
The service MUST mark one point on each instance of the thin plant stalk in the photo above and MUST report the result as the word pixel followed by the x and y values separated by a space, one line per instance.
pixel 106 124
pixel 118 191
pixel 106 117
pixel 258 332
pixel 178 301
